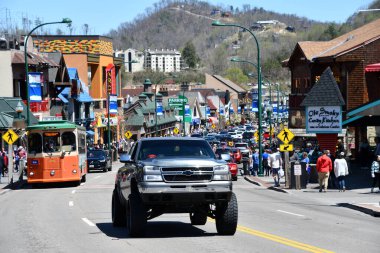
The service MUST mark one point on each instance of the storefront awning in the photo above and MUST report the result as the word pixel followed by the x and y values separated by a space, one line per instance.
pixel 90 132
pixel 367 114
pixel 84 97
pixel 373 67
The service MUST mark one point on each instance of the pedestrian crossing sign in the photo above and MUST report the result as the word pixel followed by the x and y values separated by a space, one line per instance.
pixel 128 134
pixel 286 147
pixel 285 135
pixel 10 137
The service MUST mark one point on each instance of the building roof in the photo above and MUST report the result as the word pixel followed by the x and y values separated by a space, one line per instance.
pixel 18 57
pixel 8 112
pixel 343 44
pixel 230 84
pixel 325 92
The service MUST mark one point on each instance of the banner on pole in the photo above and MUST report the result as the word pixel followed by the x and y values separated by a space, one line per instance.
pixel 35 80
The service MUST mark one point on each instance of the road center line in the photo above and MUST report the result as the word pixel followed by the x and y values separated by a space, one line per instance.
pixel 73 191
pixel 88 222
pixel 279 239
pixel 71 203
pixel 295 214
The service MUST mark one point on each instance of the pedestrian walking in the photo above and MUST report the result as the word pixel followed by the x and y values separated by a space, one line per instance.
pixel 341 170
pixel 324 167
pixel 275 162
pixel 266 162
pixel 2 168
pixel 306 160
pixel 255 163
pixel 375 173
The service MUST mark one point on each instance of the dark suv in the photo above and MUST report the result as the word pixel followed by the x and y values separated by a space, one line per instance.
pixel 99 159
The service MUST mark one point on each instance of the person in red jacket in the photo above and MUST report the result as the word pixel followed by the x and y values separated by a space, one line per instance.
pixel 324 166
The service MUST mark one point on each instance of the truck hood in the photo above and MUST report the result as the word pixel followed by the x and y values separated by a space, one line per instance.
pixel 190 162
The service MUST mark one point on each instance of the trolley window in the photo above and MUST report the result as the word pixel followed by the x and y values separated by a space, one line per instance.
pixel 51 142
pixel 34 143
pixel 82 143
pixel 68 142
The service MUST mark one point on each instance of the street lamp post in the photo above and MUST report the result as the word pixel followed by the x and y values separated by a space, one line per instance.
pixel 64 21
pixel 184 88
pixel 261 173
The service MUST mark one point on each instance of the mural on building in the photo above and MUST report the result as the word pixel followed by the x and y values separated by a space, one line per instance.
pixel 75 46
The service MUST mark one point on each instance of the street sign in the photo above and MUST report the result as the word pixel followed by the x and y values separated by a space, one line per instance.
pixel 297 170
pixel 177 101
pixel 213 126
pixel 175 130
pixel 10 137
pixel 286 147
pixel 128 134
pixel 285 135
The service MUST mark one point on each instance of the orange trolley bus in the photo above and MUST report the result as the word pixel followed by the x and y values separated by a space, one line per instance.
pixel 56 152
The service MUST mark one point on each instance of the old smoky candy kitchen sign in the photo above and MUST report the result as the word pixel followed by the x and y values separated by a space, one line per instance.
pixel 323 119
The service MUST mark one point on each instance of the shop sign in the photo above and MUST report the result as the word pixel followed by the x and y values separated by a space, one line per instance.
pixel 323 119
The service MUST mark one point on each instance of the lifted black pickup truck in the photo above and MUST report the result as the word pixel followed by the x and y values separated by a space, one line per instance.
pixel 173 175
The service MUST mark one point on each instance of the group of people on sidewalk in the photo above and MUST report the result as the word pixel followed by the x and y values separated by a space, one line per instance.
pixel 325 167
pixel 19 156
pixel 272 164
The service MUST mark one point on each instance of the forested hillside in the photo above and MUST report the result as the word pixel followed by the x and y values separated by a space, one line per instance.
pixel 172 24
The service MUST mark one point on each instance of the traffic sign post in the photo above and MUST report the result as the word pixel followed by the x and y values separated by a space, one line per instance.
pixel 175 130
pixel 285 135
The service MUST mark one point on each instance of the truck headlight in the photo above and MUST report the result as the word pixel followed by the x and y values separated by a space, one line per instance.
pixel 152 178
pixel 225 177
pixel 151 170
pixel 222 173
pixel 221 169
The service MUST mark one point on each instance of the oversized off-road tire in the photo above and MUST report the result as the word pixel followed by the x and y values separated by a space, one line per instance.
pixel 118 211
pixel 227 216
pixel 198 218
pixel 136 216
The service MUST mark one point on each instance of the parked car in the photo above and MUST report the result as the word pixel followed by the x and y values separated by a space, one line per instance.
pixel 234 170
pixel 225 153
pixel 237 154
pixel 99 159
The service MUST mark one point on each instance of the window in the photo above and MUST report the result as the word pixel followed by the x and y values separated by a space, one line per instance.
pixel 34 143
pixel 51 142
pixel 68 141
pixel 81 143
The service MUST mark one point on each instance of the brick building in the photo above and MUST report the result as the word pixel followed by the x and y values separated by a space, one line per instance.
pixel 350 57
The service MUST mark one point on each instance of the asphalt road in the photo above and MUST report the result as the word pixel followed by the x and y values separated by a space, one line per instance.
pixel 63 218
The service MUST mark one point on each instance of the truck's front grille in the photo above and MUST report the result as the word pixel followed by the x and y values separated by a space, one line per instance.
pixel 187 174
pixel 208 169
pixel 183 178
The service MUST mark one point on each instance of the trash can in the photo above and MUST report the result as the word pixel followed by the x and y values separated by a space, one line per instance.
pixel 298 175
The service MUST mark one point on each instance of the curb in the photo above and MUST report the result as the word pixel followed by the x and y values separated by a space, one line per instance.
pixel 269 188
pixel 360 208
pixel 252 181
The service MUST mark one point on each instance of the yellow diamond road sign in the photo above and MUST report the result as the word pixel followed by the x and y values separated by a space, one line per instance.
pixel 285 135
pixel 10 137
pixel 213 126
pixel 128 134
pixel 286 147
pixel 175 130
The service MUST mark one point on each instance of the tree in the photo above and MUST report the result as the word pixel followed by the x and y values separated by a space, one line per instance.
pixel 236 75
pixel 189 55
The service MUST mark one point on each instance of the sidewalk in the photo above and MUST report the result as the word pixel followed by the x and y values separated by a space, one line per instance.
pixel 7 183
pixel 357 196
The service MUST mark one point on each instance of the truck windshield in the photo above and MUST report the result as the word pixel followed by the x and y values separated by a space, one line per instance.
pixel 175 148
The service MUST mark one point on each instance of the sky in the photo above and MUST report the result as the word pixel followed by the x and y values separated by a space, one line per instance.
pixel 102 18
